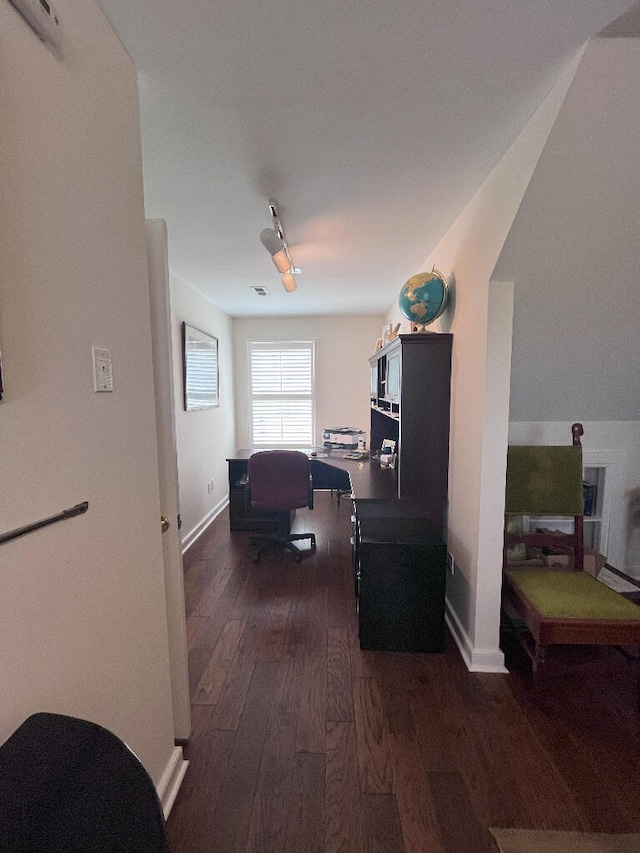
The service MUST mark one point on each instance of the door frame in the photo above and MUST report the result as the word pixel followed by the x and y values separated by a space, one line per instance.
pixel 160 313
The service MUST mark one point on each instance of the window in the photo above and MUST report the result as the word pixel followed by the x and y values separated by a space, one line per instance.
pixel 281 391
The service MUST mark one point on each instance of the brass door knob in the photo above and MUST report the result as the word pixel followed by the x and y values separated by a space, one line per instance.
pixel 164 521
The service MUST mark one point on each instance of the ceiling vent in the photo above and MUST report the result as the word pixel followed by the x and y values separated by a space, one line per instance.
pixel 260 291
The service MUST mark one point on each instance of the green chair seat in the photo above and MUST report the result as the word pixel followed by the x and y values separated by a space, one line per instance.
pixel 571 595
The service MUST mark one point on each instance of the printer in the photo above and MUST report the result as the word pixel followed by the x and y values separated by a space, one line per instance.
pixel 342 437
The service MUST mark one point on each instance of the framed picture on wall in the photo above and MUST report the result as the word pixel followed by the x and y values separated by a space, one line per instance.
pixel 200 369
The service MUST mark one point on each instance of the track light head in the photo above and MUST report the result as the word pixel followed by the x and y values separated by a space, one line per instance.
pixel 271 240
pixel 289 282
pixel 274 241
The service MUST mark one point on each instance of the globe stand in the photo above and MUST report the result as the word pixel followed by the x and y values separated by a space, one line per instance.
pixel 420 329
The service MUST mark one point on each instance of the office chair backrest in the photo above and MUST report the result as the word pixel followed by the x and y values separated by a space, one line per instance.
pixel 279 480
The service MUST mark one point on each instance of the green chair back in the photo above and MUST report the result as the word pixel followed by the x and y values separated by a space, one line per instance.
pixel 544 480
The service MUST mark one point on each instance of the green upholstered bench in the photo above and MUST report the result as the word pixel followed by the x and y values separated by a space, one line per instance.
pixel 568 607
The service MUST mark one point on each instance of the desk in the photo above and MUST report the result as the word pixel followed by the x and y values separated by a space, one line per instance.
pixel 399 552
pixel 329 469
pixel 401 585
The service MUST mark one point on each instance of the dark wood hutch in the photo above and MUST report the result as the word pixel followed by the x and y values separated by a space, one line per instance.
pixel 399 513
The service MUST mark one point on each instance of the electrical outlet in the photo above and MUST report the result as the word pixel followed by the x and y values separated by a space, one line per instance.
pixel 451 563
pixel 210 487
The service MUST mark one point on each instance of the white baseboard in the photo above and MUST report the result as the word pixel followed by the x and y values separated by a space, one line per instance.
pixel 200 528
pixel 171 779
pixel 477 660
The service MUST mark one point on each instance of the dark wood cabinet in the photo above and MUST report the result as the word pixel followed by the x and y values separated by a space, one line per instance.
pixel 400 554
pixel 399 514
pixel 384 510
pixel 410 404
pixel 401 584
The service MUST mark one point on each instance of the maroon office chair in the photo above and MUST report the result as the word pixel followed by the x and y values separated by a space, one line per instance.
pixel 279 481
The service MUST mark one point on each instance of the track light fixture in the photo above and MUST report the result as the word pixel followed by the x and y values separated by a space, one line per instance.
pixel 289 282
pixel 275 245
pixel 274 241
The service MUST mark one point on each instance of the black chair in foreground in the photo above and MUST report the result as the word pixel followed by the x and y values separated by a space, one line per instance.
pixel 71 786
pixel 279 481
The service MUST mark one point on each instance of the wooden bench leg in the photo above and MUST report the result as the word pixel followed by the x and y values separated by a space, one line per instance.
pixel 539 659
pixel 539 663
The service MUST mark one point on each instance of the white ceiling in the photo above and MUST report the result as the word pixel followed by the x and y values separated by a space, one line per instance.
pixel 370 123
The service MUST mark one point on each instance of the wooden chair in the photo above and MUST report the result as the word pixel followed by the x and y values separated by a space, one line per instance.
pixel 557 607
pixel 546 481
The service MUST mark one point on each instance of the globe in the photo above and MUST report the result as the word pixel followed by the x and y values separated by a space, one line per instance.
pixel 423 297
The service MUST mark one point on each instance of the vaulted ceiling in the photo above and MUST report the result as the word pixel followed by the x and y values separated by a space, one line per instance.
pixel 370 123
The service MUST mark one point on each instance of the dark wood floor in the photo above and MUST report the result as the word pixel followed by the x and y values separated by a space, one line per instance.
pixel 302 743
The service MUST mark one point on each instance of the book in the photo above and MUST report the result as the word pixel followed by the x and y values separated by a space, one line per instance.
pixel 589 498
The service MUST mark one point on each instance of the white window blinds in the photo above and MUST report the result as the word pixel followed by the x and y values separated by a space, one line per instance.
pixel 282 393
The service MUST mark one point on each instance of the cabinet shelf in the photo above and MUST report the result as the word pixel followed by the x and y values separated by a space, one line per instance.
pixel 410 401
pixel 394 415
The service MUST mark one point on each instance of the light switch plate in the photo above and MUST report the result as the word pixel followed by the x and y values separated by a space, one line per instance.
pixel 102 369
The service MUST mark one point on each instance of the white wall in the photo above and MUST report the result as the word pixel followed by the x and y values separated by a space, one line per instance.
pixel 468 252
pixel 83 628
pixel 343 347
pixel 205 439
pixel 573 254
